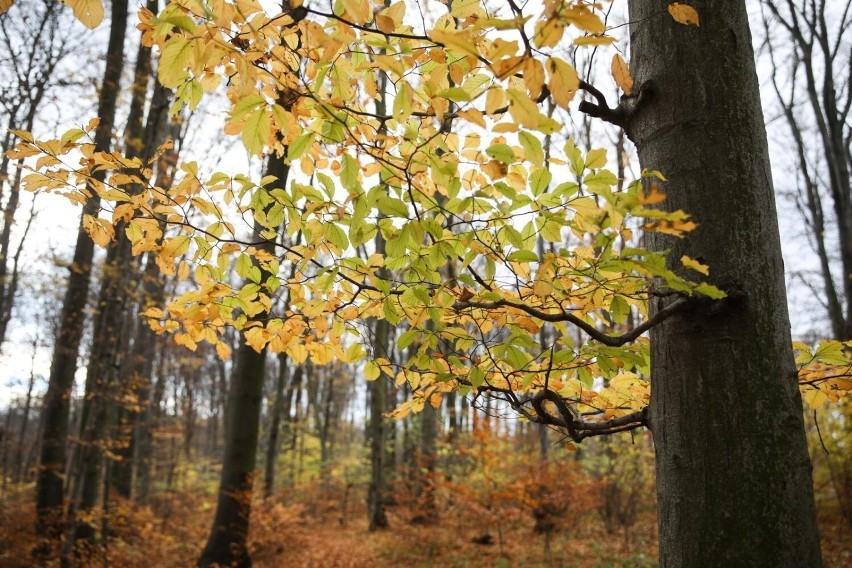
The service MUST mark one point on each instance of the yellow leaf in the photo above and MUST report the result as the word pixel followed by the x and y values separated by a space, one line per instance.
pixel 523 109
pixel 5 5
pixel 533 76
pixel 542 288
pixel 456 41
pixel 548 32
pixel 297 353
pixel 653 196
pixel 385 23
pixel 815 398
pixel 683 14
pixel 358 10
pixel 472 115
pixel 495 99
pixel 101 231
pixel 153 313
pixel 596 39
pixel 349 313
pixel 563 81
pixel 582 17
pixel 395 12
pixel 255 338
pixel 621 74
pixel 89 12
pixel 174 60
pixel 508 66
pixel 223 351
pixel 183 271
pixel 695 265
pixel 371 371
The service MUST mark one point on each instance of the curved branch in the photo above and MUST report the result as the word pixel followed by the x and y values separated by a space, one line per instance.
pixel 591 331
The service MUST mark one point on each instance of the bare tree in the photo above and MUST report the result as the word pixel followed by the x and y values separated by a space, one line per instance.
pixel 809 46
pixel 36 37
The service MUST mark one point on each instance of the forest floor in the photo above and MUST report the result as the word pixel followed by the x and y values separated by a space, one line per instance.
pixel 307 529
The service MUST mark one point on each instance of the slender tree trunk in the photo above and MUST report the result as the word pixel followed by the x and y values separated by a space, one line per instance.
pixel 20 460
pixel 49 491
pixel 145 347
pixel 733 474
pixel 427 454
pixel 227 543
pixel 279 408
pixel 377 431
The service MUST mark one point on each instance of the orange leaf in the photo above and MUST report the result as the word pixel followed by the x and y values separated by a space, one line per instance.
pixel 683 14
pixel 621 74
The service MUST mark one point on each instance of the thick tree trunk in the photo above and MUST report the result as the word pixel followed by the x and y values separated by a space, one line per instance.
pixel 227 544
pixel 733 474
pixel 49 491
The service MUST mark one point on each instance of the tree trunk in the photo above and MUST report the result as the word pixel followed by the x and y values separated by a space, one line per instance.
pixel 733 474
pixel 140 363
pixel 227 544
pixel 376 516
pixel 427 507
pixel 49 491
pixel 280 409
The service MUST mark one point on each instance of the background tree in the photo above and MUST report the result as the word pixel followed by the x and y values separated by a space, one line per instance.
pixel 37 38
pixel 808 45
pixel 50 502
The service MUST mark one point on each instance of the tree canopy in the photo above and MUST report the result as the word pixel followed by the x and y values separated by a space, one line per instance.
pixel 493 230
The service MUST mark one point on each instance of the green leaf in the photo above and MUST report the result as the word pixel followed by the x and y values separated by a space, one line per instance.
pixel 619 309
pixel 392 207
pixel 596 159
pixel 336 236
pixel 371 371
pixel 710 291
pixel 173 62
pixel 256 131
pixel 539 180
pixel 532 148
pixel 522 256
pixel 501 153
pixel 299 145
pixel 455 94
pixel 551 231
pixel 243 265
pixel 349 174
pixel 407 338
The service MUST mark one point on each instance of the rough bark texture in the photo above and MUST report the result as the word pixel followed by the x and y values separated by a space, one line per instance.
pixel 733 474
pixel 227 544
pixel 49 491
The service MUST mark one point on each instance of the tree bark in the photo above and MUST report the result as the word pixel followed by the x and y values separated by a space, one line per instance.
pixel 49 491
pixel 733 475
pixel 110 331
pixel 280 419
pixel 377 431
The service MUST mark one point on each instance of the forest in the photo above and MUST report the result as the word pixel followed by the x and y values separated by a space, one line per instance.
pixel 356 283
